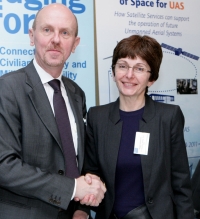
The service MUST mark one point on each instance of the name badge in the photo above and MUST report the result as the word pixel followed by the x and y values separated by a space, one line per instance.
pixel 141 143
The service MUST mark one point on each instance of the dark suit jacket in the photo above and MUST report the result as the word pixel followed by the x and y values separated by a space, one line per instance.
pixel 165 169
pixel 196 187
pixel 32 181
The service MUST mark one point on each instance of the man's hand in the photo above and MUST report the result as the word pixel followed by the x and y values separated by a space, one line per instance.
pixel 89 190
pixel 90 199
pixel 80 215
pixel 88 178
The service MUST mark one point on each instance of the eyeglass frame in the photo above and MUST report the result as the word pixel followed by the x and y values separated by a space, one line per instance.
pixel 132 68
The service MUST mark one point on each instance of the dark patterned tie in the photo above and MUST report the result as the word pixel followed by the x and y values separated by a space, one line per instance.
pixel 64 128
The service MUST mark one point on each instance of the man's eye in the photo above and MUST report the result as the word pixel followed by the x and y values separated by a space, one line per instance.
pixel 65 33
pixel 47 30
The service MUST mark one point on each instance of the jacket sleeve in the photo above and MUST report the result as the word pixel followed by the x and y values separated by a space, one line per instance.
pixel 196 187
pixel 180 177
pixel 91 156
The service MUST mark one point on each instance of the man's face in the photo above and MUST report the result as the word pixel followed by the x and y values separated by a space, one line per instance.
pixel 54 36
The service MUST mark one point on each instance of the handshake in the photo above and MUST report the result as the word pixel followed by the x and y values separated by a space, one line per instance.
pixel 90 190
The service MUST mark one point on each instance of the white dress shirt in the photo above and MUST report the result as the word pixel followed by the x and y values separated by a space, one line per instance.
pixel 45 78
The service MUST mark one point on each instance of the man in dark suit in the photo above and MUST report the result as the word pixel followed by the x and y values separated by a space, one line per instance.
pixel 33 179
pixel 196 190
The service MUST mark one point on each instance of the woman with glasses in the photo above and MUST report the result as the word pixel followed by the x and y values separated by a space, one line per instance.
pixel 135 145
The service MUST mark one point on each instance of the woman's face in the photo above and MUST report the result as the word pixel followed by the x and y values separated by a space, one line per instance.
pixel 132 82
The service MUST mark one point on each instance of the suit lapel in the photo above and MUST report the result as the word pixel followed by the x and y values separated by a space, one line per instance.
pixel 42 106
pixel 76 105
pixel 146 126
pixel 40 101
pixel 112 140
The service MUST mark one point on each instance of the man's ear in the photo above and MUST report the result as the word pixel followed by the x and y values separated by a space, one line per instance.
pixel 31 33
pixel 76 42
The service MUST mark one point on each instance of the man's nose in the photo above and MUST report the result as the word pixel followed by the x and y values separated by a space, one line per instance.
pixel 56 38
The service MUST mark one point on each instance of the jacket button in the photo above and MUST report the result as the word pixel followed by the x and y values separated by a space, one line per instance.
pixel 150 200
pixel 54 202
pixel 60 172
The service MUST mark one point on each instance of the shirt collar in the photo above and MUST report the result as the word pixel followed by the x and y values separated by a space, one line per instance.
pixel 45 76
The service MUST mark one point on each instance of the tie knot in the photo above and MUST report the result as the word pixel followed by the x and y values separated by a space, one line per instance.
pixel 55 84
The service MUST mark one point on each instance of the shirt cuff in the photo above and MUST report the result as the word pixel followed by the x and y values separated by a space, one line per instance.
pixel 74 190
pixel 74 194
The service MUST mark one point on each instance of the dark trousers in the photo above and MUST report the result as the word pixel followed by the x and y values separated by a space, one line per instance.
pixel 140 212
pixel 67 214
